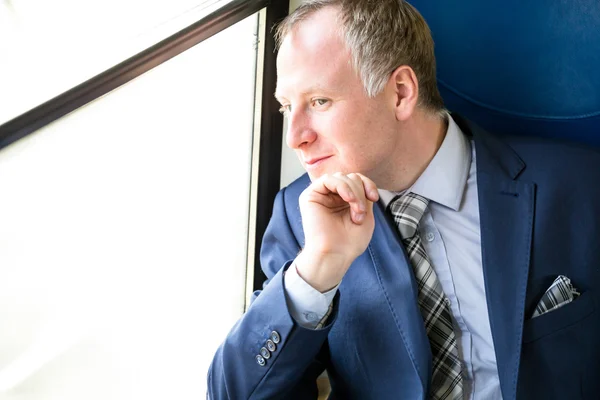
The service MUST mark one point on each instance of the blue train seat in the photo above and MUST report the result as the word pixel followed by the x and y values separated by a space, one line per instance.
pixel 520 67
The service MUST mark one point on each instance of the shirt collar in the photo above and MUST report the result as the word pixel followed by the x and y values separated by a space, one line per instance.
pixel 445 178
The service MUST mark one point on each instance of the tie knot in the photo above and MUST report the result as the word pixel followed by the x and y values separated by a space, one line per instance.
pixel 407 211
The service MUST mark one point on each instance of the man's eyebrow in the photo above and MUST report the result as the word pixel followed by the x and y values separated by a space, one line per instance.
pixel 312 89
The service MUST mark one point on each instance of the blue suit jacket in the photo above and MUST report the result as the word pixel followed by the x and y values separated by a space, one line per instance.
pixel 539 205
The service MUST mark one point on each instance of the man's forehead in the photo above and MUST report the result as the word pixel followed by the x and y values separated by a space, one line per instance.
pixel 321 74
pixel 311 55
pixel 318 31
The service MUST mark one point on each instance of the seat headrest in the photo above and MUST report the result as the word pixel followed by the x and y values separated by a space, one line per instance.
pixel 525 68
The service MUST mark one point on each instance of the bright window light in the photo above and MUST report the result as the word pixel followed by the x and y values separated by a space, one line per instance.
pixel 123 241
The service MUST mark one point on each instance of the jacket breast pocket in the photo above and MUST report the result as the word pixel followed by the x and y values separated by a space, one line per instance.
pixel 560 318
pixel 559 349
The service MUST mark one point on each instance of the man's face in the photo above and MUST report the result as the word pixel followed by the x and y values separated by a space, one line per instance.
pixel 332 124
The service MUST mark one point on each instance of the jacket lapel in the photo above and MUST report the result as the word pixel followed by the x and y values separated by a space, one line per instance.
pixel 395 276
pixel 506 208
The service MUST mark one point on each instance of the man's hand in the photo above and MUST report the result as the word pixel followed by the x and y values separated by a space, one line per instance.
pixel 337 216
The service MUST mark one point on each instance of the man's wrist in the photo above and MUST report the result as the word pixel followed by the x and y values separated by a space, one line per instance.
pixel 321 271
pixel 309 307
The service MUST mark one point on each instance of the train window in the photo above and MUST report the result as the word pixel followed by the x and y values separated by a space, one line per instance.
pixel 49 47
pixel 125 228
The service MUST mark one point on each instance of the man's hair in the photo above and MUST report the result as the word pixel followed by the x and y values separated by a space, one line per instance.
pixel 381 35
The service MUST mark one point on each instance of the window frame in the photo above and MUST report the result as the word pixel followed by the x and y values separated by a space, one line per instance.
pixel 268 126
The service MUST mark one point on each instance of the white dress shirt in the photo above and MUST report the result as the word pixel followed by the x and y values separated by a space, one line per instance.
pixel 450 232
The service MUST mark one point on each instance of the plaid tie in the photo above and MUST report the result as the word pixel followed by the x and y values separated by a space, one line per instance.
pixel 446 380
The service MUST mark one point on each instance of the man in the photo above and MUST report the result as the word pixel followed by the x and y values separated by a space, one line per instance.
pixel 424 258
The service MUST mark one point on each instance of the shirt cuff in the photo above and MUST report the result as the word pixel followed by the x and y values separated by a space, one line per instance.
pixel 309 307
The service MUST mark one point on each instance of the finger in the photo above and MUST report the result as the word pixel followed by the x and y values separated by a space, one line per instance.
pixel 349 191
pixel 356 184
pixel 358 209
pixel 328 184
pixel 370 188
pixel 359 184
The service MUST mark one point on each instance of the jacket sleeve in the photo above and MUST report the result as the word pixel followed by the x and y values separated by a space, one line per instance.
pixel 291 369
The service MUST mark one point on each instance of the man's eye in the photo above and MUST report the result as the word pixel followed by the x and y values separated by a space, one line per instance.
pixel 320 102
pixel 285 109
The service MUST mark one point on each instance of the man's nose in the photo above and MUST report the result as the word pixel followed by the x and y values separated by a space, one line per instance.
pixel 299 130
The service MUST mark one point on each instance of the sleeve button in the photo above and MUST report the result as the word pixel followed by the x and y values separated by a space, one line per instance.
pixel 260 360
pixel 271 346
pixel 275 337
pixel 265 353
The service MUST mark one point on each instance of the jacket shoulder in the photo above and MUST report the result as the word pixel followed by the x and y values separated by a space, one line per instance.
pixel 549 157
pixel 290 194
pixel 558 149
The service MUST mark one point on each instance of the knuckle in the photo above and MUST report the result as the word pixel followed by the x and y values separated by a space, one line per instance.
pixel 324 179
pixel 304 194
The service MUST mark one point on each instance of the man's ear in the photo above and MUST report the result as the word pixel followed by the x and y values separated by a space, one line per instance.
pixel 405 86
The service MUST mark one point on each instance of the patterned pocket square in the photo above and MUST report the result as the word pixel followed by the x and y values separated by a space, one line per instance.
pixel 561 292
